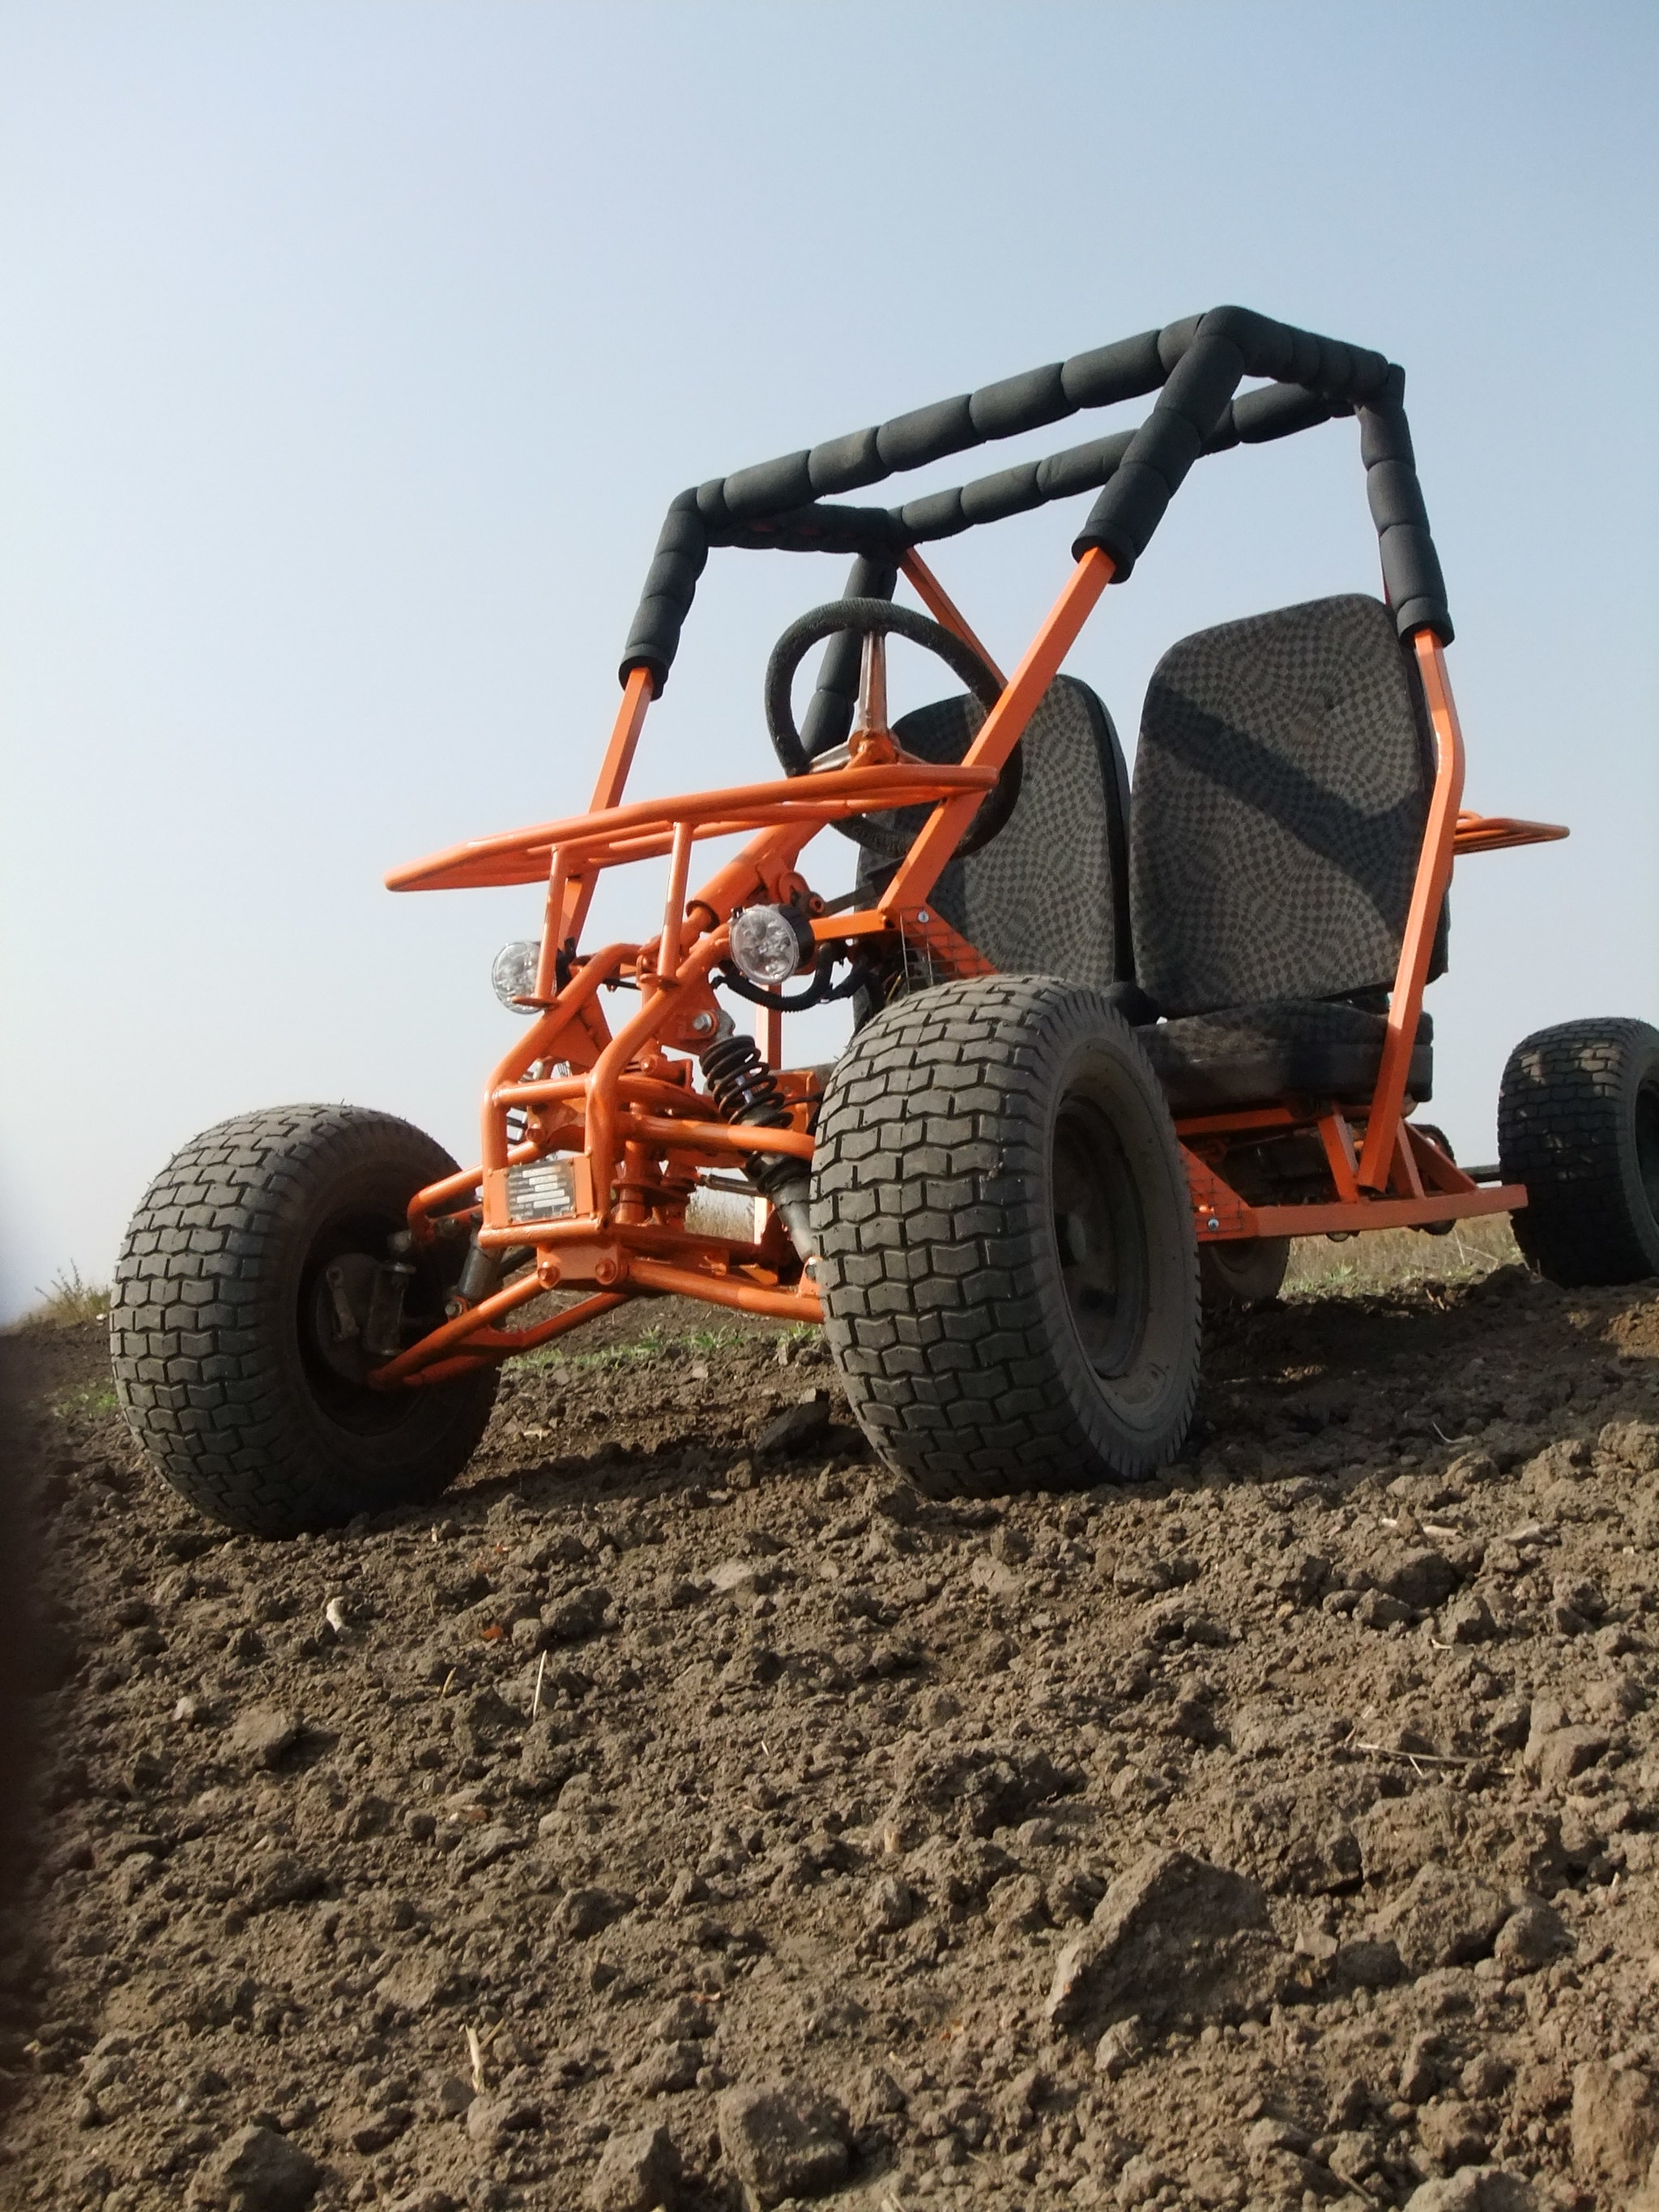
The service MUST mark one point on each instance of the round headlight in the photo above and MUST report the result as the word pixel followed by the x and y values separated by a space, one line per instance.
pixel 770 944
pixel 513 976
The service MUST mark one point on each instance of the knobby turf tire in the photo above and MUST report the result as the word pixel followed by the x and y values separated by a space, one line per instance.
pixel 215 1373
pixel 1579 1124
pixel 947 1129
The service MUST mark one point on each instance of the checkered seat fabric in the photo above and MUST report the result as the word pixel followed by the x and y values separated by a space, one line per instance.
pixel 1048 896
pixel 1281 789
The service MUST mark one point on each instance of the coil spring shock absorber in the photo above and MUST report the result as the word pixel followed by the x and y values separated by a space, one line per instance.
pixel 744 1089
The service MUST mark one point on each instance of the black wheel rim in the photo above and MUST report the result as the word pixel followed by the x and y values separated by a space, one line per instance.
pixel 349 1405
pixel 1101 1233
pixel 1647 1146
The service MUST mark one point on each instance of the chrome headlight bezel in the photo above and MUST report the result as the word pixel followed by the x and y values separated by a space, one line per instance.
pixel 770 944
pixel 513 976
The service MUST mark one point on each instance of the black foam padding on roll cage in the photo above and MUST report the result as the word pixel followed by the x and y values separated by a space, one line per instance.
pixel 1195 367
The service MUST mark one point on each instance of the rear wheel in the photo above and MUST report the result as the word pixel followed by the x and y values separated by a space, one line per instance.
pixel 1006 1249
pixel 1239 1276
pixel 236 1323
pixel 1579 1124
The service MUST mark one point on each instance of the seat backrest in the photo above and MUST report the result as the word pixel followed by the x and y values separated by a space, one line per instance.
pixel 1281 790
pixel 1048 895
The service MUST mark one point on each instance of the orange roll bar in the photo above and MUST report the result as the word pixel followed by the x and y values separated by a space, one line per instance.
pixel 943 608
pixel 1001 730
pixel 578 894
pixel 1434 868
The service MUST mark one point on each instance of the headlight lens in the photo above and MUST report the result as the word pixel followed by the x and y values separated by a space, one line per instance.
pixel 770 943
pixel 514 974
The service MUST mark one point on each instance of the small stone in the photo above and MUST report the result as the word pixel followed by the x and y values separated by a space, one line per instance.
pixel 1531 1937
pixel 893 1501
pixel 1474 1469
pixel 1271 2134
pixel 1510 1723
pixel 265 1732
pixel 1445 1919
pixel 1019 1905
pixel 1140 2180
pixel 688 2020
pixel 935 1707
pixel 784 2140
pixel 372 2131
pixel 1615 1640
pixel 1485 2076
pixel 490 2121
pixel 277 1878
pixel 580 1913
pixel 1421 1579
pixel 1351 2106
pixel 879 2095
pixel 1448 2132
pixel 257 2170
pixel 1213 2183
pixel 545 1761
pixel 1468 1619
pixel 671 2067
pixel 1565 1752
pixel 1117 2050
pixel 1380 1609
pixel 454 2095
pixel 743 1578
pixel 573 1619
pixel 1635 1443
pixel 796 1424
pixel 1616 2125
pixel 638 2170
pixel 1420 2076
pixel 1175 1934
pixel 889 1905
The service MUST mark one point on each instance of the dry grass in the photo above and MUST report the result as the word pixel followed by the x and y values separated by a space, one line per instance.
pixel 1399 1259
pixel 67 1301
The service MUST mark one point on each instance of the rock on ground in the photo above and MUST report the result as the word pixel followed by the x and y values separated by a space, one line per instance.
pixel 639 2171
pixel 257 2170
pixel 784 2140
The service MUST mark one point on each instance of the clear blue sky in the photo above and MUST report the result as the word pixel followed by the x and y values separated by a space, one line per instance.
pixel 351 350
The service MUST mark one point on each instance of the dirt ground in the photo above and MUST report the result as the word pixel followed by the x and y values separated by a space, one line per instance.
pixel 676 1816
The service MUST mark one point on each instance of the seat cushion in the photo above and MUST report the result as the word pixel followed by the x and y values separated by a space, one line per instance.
pixel 1048 896
pixel 1281 789
pixel 1295 1047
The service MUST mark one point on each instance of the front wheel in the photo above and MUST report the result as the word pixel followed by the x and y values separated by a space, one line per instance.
pixel 238 1355
pixel 1579 1124
pixel 1007 1259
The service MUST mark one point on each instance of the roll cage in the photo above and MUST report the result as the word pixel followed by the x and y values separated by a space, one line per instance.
pixel 595 1137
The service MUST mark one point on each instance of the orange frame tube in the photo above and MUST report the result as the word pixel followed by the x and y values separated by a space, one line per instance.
pixel 1383 1126
pixel 646 1134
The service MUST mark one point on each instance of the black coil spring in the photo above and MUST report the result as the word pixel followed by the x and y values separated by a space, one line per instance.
pixel 742 1085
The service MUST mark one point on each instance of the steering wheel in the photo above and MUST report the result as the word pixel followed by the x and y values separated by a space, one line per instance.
pixel 888 834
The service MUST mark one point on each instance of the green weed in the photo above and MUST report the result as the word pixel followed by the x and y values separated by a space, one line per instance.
pixel 69 1301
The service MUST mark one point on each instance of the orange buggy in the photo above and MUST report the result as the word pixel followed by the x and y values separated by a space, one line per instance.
pixel 1111 1051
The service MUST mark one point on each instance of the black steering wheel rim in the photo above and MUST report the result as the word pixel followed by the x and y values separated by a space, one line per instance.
pixel 867 617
